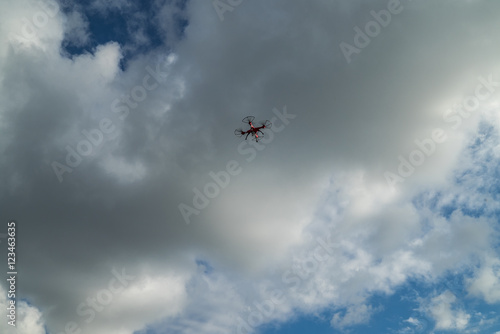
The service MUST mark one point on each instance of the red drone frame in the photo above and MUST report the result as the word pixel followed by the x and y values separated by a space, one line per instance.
pixel 253 131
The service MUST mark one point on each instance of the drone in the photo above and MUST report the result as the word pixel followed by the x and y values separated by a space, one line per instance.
pixel 253 131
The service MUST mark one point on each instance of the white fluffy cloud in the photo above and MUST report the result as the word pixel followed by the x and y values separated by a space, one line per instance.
pixel 354 315
pixel 76 31
pixel 447 315
pixel 486 282
pixel 28 319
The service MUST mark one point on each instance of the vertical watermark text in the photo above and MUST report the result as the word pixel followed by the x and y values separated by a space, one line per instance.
pixel 11 273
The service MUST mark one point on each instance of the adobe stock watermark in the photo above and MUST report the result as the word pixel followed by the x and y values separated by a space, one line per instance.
pixel 427 146
pixel 107 130
pixel 88 309
pixel 11 272
pixel 31 26
pixel 222 6
pixel 221 179
pixel 291 278
pixel 372 29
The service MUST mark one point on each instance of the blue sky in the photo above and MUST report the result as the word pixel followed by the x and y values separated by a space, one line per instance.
pixel 108 23
pixel 369 206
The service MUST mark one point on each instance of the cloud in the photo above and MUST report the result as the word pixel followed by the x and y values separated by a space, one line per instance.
pixel 354 315
pixel 447 316
pixel 486 281
pixel 28 319
pixel 77 29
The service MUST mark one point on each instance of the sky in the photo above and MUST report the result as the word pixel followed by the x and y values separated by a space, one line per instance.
pixel 371 205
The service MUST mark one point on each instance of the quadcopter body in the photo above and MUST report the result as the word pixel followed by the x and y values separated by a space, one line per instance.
pixel 255 131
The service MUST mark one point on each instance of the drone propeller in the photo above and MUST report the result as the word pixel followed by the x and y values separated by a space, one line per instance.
pixel 239 132
pixel 248 119
pixel 266 124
